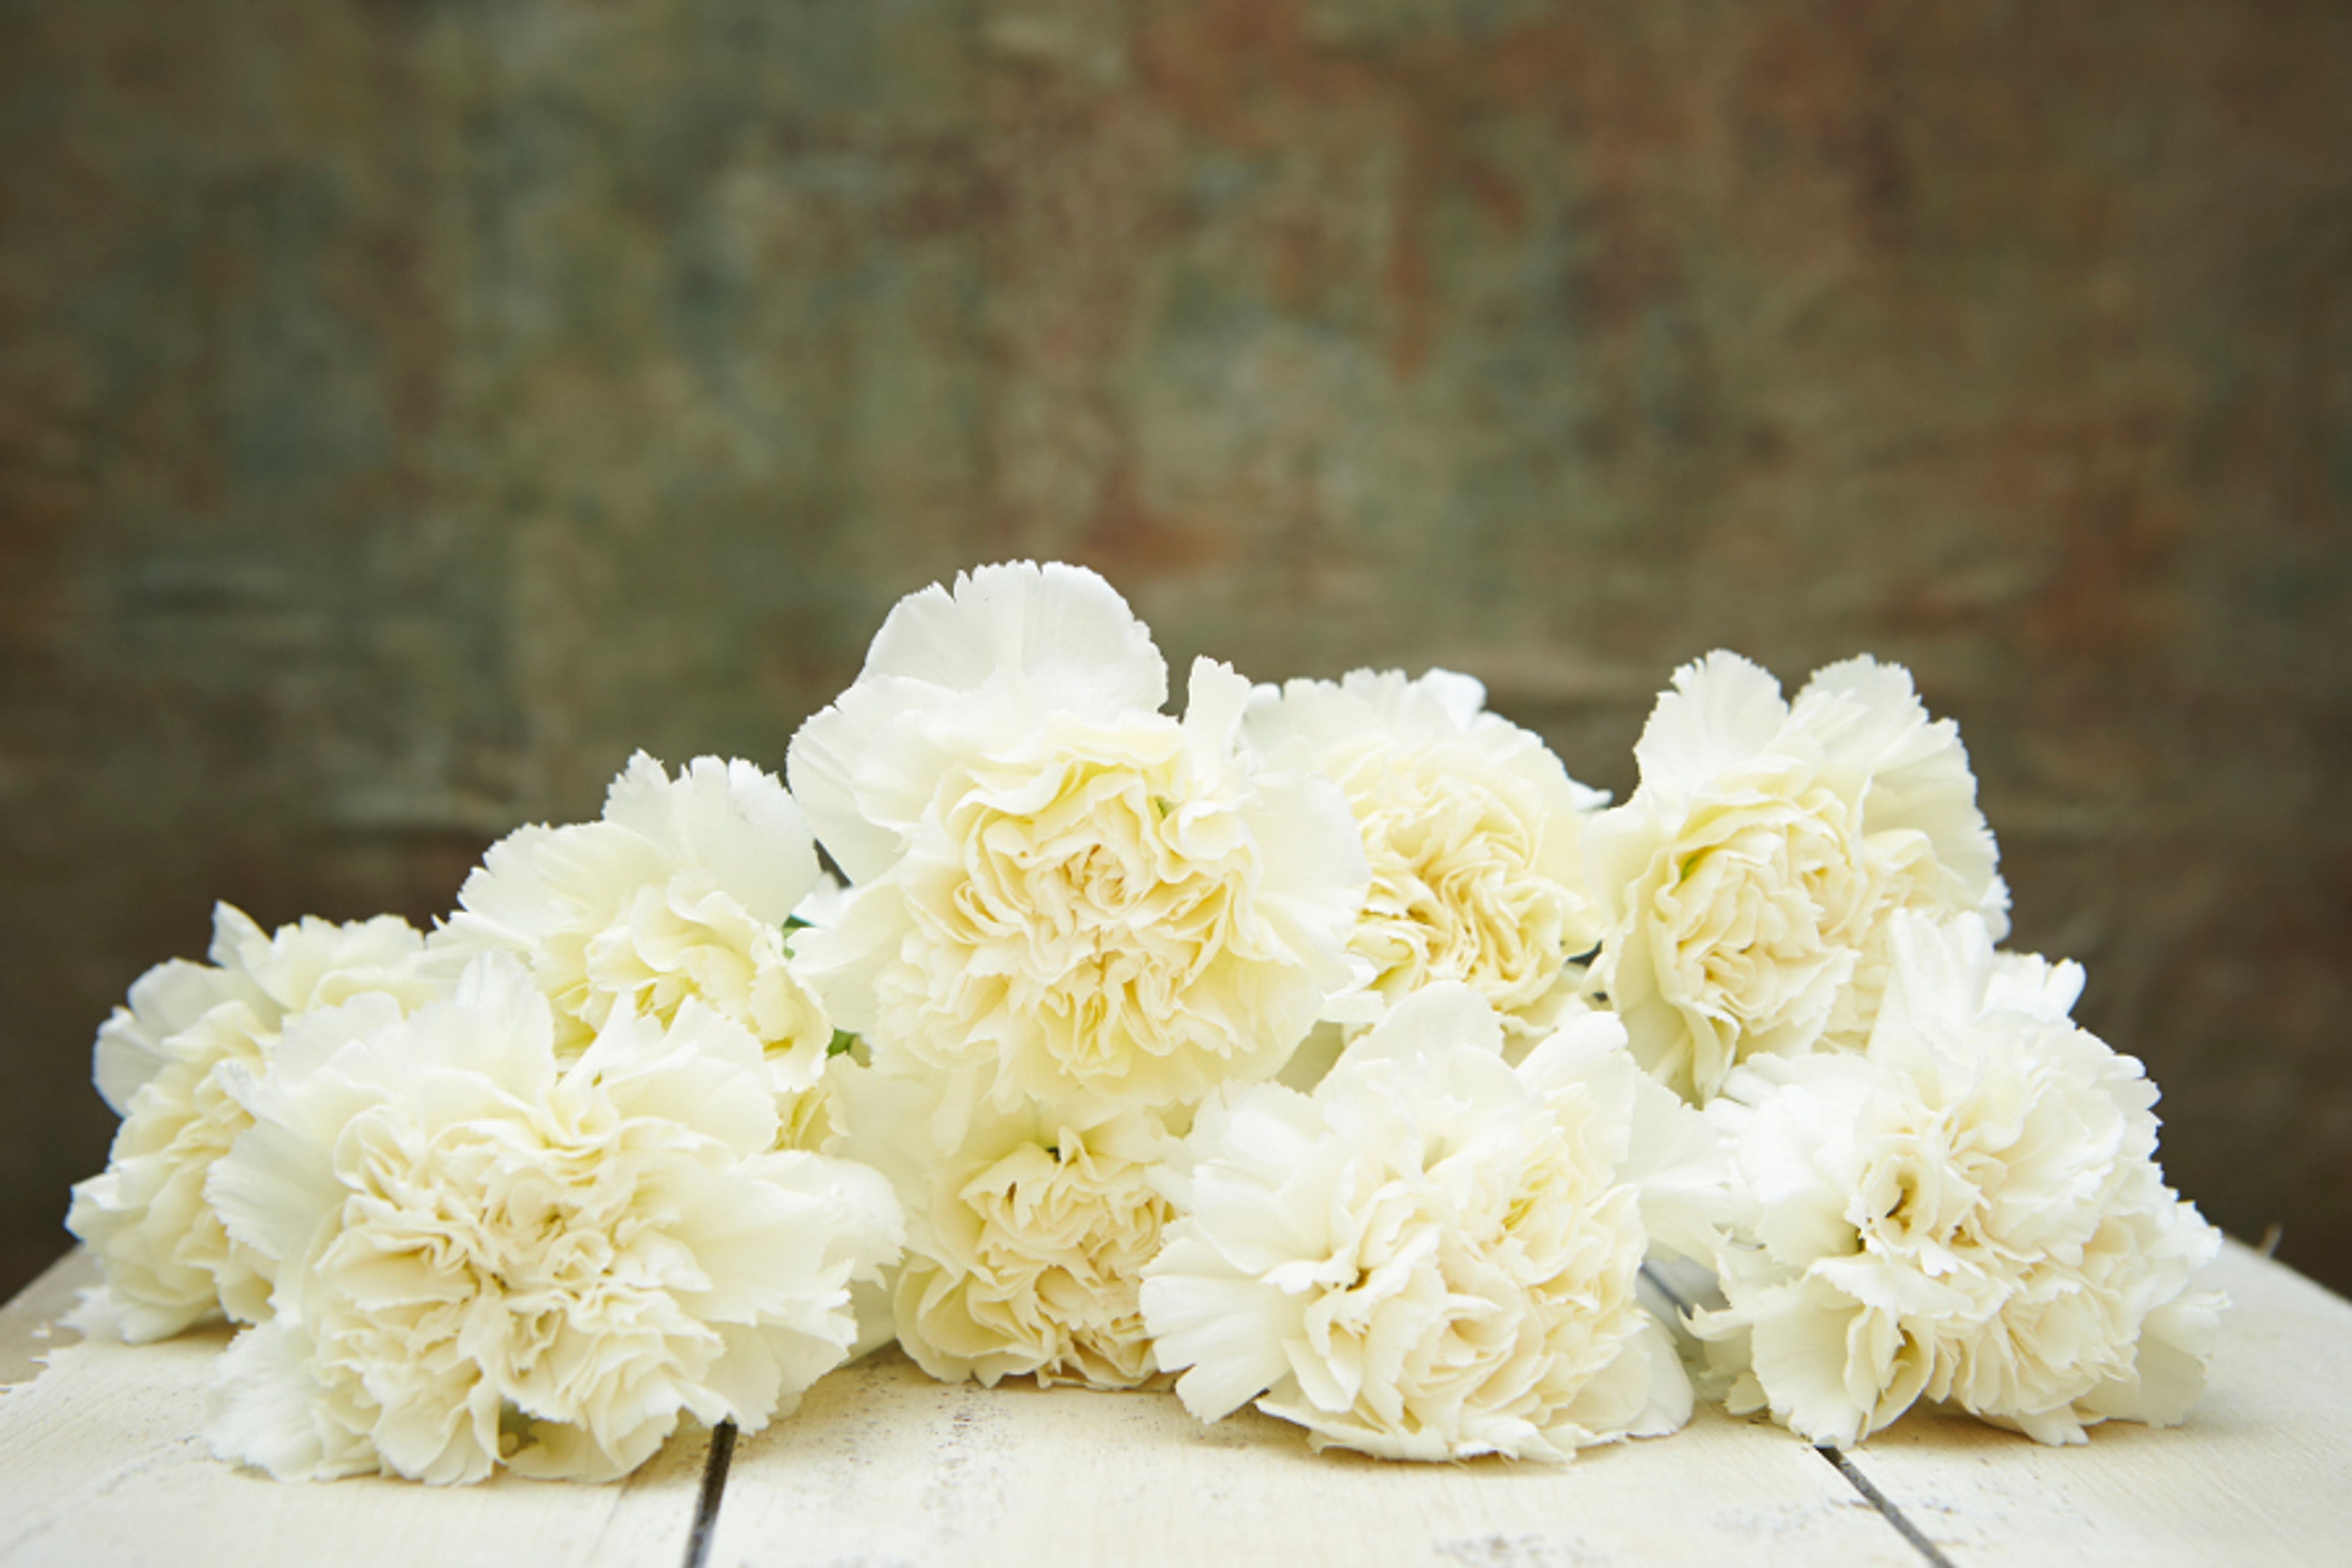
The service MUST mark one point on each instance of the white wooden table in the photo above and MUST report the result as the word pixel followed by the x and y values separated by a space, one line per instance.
pixel 102 1462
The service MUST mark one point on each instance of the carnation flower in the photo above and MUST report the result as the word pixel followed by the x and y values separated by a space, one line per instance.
pixel 1027 1234
pixel 681 892
pixel 1471 826
pixel 495 1253
pixel 1057 890
pixel 160 1063
pixel 1433 1256
pixel 1745 886
pixel 1969 1212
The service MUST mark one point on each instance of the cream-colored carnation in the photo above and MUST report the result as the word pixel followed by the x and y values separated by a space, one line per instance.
pixel 1057 890
pixel 1472 828
pixel 1433 1256
pixel 1969 1212
pixel 1746 885
pixel 1026 1235
pixel 492 1254
pixel 160 1063
pixel 681 891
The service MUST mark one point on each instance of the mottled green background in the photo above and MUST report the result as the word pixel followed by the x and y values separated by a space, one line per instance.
pixel 408 408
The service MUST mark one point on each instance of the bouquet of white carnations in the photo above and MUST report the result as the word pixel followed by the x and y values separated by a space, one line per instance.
pixel 1328 1048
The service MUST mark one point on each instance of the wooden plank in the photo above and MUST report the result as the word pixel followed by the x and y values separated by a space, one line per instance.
pixel 883 1465
pixel 102 1461
pixel 28 1325
pixel 2257 1475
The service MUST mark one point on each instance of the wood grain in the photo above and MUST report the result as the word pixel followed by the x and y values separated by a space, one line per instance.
pixel 103 1461
pixel 885 1466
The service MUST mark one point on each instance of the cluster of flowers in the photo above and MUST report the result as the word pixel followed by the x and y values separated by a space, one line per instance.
pixel 1328 1048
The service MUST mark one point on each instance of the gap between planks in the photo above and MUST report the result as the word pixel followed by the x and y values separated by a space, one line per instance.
pixel 1838 1461
pixel 1871 1495
pixel 713 1493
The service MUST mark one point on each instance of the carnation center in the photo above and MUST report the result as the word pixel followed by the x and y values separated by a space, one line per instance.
pixel 1762 908
pixel 510 1240
pixel 1923 1198
pixel 667 945
pixel 1455 896
pixel 1090 906
pixel 1061 1238
pixel 1526 1285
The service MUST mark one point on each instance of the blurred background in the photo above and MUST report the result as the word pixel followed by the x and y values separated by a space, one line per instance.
pixel 407 409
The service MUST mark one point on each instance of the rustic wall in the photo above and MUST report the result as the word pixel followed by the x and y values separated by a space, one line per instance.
pixel 408 408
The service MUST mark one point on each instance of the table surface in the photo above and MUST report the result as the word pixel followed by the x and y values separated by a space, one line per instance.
pixel 102 1461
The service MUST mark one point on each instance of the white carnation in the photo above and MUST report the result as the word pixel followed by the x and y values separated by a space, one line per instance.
pixel 1969 1212
pixel 680 892
pixel 1472 828
pixel 1433 1256
pixel 494 1253
pixel 1058 891
pixel 1027 1234
pixel 1746 885
pixel 160 1063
